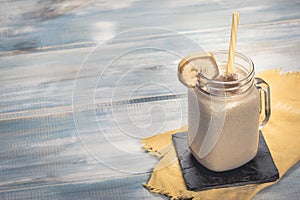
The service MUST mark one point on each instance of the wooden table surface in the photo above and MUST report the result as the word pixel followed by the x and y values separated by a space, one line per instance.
pixel 82 82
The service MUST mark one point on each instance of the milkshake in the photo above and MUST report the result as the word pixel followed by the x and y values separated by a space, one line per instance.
pixel 223 134
pixel 223 115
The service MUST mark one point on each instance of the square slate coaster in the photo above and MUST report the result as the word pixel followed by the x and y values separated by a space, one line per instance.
pixel 260 169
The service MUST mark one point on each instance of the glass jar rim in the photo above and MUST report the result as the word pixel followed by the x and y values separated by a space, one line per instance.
pixel 249 75
pixel 229 88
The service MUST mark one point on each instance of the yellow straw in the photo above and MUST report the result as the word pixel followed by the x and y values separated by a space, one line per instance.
pixel 235 21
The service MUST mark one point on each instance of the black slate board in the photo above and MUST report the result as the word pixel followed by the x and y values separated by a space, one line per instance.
pixel 261 169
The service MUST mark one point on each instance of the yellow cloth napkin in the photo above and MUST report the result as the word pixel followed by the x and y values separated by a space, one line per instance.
pixel 282 134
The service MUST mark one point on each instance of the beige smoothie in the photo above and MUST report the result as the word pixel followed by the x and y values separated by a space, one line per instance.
pixel 223 131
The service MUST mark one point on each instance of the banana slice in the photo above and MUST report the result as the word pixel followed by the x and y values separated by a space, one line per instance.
pixel 193 64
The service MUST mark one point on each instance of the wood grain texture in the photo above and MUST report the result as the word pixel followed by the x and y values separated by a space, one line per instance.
pixel 75 101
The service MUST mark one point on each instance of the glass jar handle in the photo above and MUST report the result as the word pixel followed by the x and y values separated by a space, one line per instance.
pixel 262 86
